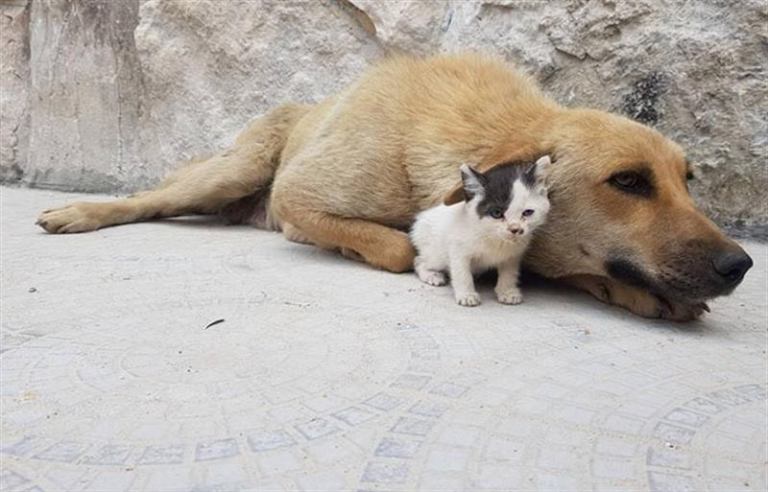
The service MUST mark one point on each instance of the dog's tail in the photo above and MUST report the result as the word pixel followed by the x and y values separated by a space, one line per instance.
pixel 234 183
pixel 265 139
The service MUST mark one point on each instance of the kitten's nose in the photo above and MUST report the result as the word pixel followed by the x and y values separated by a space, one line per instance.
pixel 516 230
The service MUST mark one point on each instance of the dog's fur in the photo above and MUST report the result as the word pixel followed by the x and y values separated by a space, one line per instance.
pixel 353 171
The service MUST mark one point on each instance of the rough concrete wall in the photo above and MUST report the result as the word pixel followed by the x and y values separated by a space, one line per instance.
pixel 119 91
pixel 14 80
pixel 86 96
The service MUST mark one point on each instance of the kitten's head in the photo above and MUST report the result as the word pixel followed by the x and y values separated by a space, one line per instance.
pixel 510 200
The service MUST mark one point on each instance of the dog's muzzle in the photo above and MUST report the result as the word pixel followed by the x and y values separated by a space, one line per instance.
pixel 731 266
pixel 694 273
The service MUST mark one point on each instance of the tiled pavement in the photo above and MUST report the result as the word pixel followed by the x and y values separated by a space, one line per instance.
pixel 327 375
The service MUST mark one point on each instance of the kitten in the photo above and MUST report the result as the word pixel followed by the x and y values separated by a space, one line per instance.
pixel 490 229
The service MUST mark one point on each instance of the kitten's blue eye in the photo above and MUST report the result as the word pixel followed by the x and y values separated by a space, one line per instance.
pixel 527 212
pixel 496 213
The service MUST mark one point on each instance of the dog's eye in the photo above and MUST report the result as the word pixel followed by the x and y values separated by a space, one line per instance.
pixel 631 182
pixel 689 175
pixel 496 213
pixel 527 212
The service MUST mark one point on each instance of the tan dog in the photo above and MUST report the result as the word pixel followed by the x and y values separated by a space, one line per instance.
pixel 352 172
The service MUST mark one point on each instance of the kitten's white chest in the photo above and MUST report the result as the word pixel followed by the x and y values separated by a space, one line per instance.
pixel 489 253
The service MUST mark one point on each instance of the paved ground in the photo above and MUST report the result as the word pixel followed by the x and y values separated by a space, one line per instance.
pixel 327 375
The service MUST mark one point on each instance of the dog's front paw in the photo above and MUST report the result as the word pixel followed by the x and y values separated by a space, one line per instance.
pixel 351 254
pixel 512 296
pixel 75 217
pixel 677 311
pixel 469 300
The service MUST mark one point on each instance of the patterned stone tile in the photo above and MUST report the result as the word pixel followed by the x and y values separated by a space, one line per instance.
pixel 217 449
pixel 266 440
pixel 385 473
pixel 383 402
pixel 354 415
pixel 329 376
pixel 10 479
pixel 111 454
pixel 316 428
pixel 66 451
pixel 664 482
pixel 450 390
pixel 162 455
pixel 429 408
pixel 397 448
pixel 412 426
pixel 411 381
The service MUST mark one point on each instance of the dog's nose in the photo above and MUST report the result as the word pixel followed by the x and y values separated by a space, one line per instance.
pixel 732 265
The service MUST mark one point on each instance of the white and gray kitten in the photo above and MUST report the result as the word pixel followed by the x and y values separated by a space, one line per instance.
pixel 490 229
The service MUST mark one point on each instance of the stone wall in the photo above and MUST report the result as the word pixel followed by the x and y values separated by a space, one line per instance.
pixel 101 95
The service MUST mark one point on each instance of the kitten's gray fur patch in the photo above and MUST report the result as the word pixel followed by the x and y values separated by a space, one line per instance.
pixel 497 185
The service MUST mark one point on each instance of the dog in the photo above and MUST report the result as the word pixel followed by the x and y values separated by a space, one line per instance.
pixel 351 173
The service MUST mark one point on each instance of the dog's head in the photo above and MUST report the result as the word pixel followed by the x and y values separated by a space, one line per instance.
pixel 621 208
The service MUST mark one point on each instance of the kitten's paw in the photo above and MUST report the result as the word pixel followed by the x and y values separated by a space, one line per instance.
pixel 469 300
pixel 513 296
pixel 432 277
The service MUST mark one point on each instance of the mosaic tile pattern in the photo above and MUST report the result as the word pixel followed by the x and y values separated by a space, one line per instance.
pixel 327 375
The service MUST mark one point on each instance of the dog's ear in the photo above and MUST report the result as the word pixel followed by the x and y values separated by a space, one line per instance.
pixel 455 196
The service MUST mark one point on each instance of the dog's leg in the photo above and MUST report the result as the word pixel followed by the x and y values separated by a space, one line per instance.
pixel 203 187
pixel 378 245
pixel 635 300
pixel 293 234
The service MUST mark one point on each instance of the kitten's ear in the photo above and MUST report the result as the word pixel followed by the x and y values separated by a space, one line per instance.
pixel 542 169
pixel 472 181
pixel 537 174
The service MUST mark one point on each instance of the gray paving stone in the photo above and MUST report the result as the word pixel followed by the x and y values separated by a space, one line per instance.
pixel 686 417
pixel 667 482
pixel 704 405
pixel 668 458
pixel 673 433
pixel 451 390
pixel 327 375
pixel 411 381
pixel 412 426
pixel 109 455
pixel 429 408
pixel 385 473
pixel 217 449
pixel 397 448
pixel 383 402
pixel 162 455
pixel 25 445
pixel 317 428
pixel 354 415
pixel 278 462
pixel 10 479
pixel 266 440
pixel 66 451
